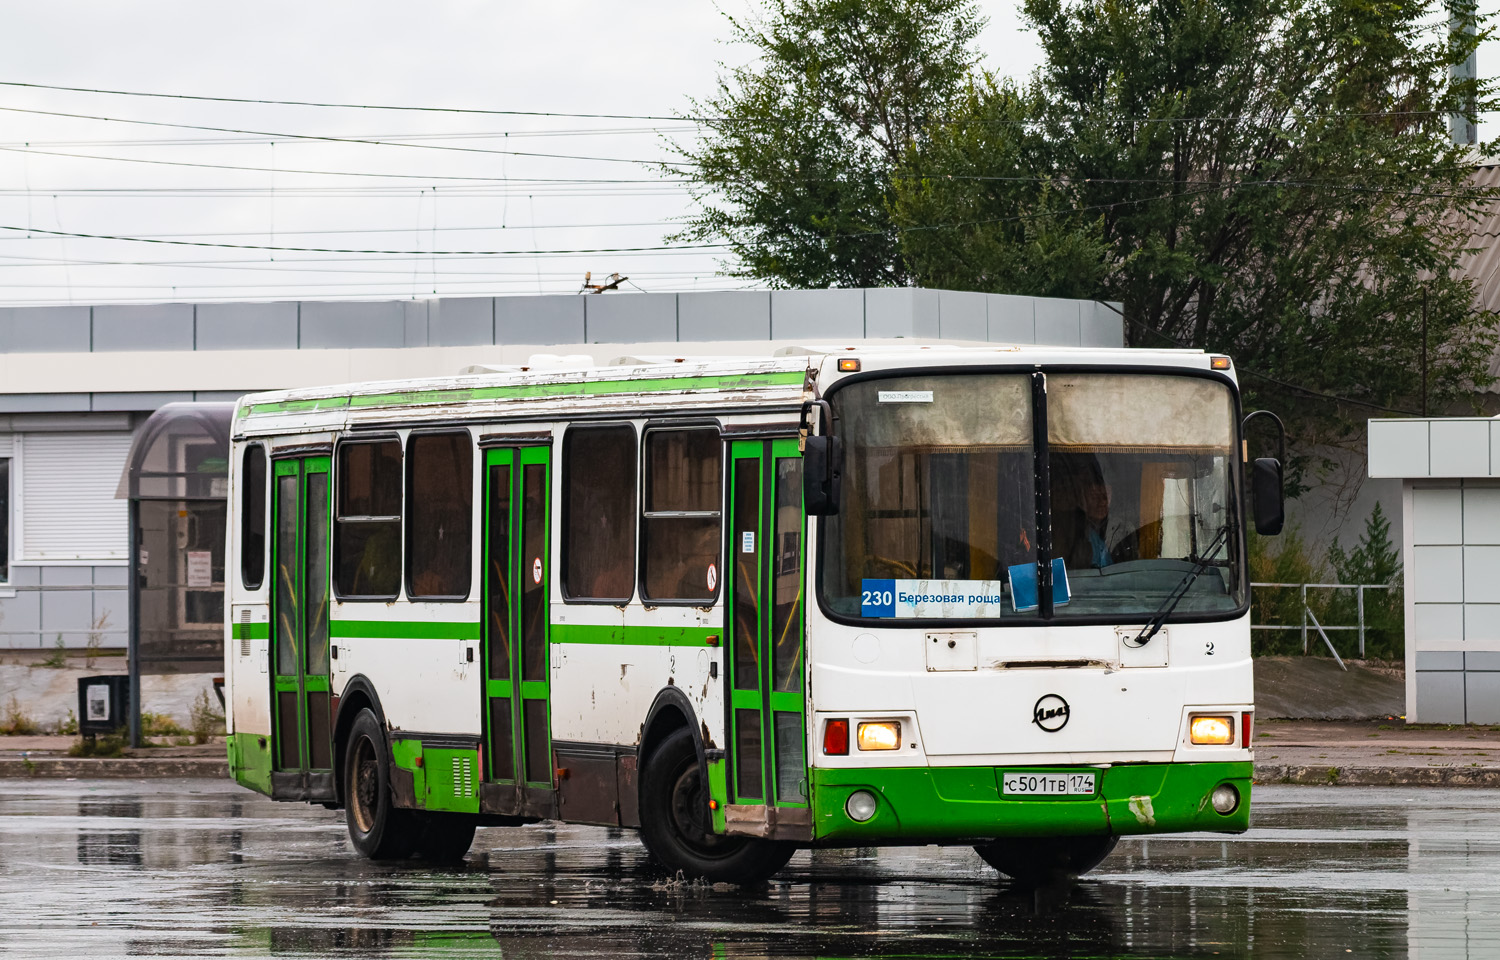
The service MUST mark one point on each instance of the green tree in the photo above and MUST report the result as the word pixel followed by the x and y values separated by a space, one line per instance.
pixel 1273 180
pixel 977 212
pixel 1374 560
pixel 794 168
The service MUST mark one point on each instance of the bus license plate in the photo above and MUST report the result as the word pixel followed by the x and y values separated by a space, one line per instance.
pixel 1048 784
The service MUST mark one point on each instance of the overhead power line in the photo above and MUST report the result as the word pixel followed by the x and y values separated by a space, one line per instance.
pixel 423 253
pixel 322 173
pixel 477 111
pixel 362 141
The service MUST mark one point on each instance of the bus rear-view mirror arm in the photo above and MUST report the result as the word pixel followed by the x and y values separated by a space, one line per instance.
pixel 822 461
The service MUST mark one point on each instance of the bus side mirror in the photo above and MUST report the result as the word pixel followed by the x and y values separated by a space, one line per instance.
pixel 1266 496
pixel 822 474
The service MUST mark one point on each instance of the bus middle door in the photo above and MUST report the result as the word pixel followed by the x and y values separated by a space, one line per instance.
pixel 518 749
pixel 299 632
pixel 768 780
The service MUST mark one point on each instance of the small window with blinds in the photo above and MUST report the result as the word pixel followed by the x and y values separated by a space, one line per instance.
pixel 67 482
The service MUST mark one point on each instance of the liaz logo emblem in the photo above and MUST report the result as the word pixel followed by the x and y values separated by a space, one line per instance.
pixel 1050 713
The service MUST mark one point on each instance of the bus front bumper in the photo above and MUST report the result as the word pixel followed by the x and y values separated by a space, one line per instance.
pixel 935 804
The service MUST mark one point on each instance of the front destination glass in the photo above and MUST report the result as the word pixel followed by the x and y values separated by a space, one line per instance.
pixel 938 519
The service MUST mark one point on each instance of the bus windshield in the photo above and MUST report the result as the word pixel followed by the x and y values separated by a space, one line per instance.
pixel 940 497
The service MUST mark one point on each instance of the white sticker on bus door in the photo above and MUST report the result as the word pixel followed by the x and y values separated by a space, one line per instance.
pixel 747 542
pixel 536 570
pixel 713 577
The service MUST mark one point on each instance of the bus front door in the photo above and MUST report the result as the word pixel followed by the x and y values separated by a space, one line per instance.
pixel 517 570
pixel 299 616
pixel 768 782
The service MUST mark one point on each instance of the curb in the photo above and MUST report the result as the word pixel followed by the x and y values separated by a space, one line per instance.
pixel 114 768
pixel 1336 776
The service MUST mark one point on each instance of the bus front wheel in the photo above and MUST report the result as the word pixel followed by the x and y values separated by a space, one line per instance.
pixel 1036 860
pixel 377 828
pixel 677 829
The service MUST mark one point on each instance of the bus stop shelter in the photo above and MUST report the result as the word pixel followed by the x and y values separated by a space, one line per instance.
pixel 176 479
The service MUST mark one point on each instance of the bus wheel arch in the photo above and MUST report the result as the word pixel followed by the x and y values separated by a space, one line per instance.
pixel 670 711
pixel 358 694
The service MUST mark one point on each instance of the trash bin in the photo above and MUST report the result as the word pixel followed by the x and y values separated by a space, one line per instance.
pixel 103 704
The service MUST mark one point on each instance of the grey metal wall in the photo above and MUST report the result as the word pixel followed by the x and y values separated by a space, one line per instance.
pixel 610 318
pixel 1453 600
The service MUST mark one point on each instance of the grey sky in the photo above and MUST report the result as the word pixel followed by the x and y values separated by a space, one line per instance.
pixel 571 56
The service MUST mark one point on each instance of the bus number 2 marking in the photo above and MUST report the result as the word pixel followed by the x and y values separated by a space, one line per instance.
pixel 1208 648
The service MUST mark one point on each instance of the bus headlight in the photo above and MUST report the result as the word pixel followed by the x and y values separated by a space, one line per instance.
pixel 1218 731
pixel 1225 798
pixel 861 805
pixel 880 735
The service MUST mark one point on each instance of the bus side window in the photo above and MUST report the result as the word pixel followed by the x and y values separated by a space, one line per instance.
pixel 598 526
pixel 253 518
pixel 440 534
pixel 367 526
pixel 680 522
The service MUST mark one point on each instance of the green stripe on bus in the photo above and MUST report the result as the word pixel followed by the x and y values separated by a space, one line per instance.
pixel 250 631
pixel 299 406
pixel 404 630
pixel 634 636
pixel 541 390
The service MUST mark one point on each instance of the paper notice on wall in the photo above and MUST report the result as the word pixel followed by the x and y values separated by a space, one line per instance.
pixel 200 568
pixel 97 700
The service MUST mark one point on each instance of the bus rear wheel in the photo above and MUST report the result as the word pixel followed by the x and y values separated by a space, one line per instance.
pixel 1037 860
pixel 378 830
pixel 677 829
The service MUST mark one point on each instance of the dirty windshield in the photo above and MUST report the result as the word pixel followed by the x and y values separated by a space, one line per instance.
pixel 939 507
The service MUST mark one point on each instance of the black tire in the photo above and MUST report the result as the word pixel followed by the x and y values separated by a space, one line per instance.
pixel 1037 860
pixel 444 838
pixel 377 828
pixel 676 826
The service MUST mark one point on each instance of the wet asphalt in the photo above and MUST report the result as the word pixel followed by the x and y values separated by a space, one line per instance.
pixel 102 869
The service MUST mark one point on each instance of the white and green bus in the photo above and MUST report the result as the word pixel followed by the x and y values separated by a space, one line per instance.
pixel 839 596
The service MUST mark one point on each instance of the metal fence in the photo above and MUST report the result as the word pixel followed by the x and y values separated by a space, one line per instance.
pixel 1310 619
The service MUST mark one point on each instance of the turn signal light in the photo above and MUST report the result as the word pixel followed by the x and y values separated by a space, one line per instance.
pixel 882 735
pixel 836 738
pixel 1218 731
pixel 849 365
pixel 1219 363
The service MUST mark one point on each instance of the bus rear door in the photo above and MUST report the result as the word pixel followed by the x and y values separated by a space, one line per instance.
pixel 517 570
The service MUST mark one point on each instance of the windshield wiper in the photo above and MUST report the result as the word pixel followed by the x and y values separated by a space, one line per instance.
pixel 1178 592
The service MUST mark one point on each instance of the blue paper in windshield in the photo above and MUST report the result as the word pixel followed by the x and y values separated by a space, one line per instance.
pixel 1023 585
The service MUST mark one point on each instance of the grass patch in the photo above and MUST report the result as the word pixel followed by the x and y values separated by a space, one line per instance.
pixel 109 745
pixel 205 719
pixel 160 725
pixel 15 722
